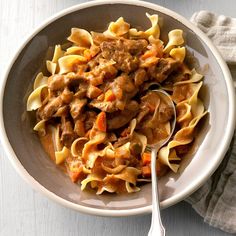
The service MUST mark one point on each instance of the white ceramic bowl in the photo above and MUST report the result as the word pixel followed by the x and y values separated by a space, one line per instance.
pixel 28 157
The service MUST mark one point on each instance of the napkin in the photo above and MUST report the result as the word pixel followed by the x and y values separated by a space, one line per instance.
pixel 216 199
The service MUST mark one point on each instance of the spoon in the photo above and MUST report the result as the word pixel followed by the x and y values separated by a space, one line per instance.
pixel 157 227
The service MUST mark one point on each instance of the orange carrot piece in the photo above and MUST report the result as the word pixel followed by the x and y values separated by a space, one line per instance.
pixel 148 54
pixel 101 121
pixel 146 171
pixel 109 96
pixel 146 158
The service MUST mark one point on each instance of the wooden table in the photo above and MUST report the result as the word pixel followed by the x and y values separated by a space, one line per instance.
pixel 26 212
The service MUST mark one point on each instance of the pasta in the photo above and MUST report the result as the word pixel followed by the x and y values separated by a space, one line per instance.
pixel 96 113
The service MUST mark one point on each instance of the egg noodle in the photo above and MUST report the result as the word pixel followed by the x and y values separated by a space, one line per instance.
pixel 96 112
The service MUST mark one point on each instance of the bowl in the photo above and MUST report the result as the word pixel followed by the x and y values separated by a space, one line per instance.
pixel 23 147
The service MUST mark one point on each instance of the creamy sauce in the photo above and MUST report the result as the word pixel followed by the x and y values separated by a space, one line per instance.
pixel 47 143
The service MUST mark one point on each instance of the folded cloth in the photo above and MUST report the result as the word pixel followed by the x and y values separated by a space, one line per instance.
pixel 216 199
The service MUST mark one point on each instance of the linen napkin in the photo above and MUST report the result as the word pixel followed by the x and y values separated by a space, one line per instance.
pixel 216 199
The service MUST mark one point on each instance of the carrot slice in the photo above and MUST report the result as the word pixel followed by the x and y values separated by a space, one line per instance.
pixel 148 54
pixel 101 121
pixel 146 171
pixel 109 96
pixel 146 158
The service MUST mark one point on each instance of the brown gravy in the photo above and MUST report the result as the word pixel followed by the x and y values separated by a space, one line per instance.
pixel 47 143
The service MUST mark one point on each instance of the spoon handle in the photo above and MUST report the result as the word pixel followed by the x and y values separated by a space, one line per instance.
pixel 157 228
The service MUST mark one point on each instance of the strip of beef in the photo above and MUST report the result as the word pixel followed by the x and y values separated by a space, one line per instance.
pixel 123 87
pixel 124 53
pixel 125 83
pixel 68 134
pixel 118 119
pixel 47 111
pixel 62 111
pixel 165 113
pixel 163 69
pixel 140 76
pixel 76 107
pixel 56 82
pixel 79 127
pixel 81 90
pixel 59 82
pixel 135 47
pixel 93 92
pixel 104 70
pixel 124 60
pixel 104 106
pixel 66 95
pixel 90 119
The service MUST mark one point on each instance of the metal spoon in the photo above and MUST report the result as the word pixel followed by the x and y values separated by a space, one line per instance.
pixel 157 227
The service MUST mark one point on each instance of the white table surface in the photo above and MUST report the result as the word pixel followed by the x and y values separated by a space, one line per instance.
pixel 26 212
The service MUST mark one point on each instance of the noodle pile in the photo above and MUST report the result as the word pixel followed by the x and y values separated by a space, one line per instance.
pixel 94 106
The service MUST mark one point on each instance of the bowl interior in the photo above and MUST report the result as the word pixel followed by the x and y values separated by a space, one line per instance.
pixel 25 143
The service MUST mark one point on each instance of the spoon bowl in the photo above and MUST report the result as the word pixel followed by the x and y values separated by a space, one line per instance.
pixel 166 97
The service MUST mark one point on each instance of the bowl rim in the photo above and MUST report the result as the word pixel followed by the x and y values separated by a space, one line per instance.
pixel 141 210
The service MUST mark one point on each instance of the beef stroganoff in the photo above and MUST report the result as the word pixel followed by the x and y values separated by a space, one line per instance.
pixel 96 112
